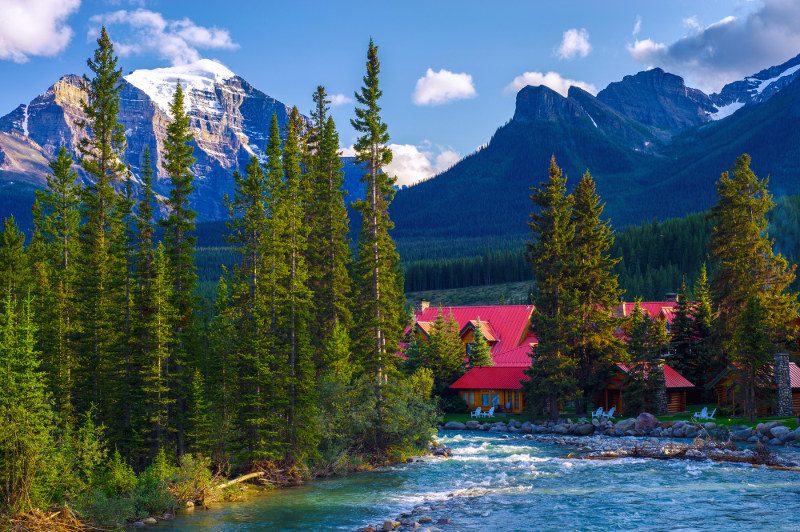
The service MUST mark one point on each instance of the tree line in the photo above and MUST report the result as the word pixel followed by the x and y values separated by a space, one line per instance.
pixel 111 362
pixel 741 314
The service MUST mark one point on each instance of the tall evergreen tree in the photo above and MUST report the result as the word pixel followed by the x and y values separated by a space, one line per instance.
pixel 752 354
pixel 744 264
pixel 102 152
pixel 296 342
pixel 56 219
pixel 647 341
pixel 480 354
pixel 552 371
pixel 328 250
pixel 444 353
pixel 682 341
pixel 596 290
pixel 702 322
pixel 180 247
pixel 378 301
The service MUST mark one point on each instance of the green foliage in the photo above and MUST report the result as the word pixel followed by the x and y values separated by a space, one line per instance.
pixel 480 354
pixel 647 342
pixel 752 353
pixel 444 353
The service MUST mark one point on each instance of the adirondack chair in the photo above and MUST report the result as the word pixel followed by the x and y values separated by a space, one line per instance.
pixel 598 414
pixel 610 413
pixel 711 414
pixel 490 413
pixel 476 413
pixel 703 414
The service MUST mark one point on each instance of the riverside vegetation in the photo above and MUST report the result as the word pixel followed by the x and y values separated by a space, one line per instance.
pixel 122 394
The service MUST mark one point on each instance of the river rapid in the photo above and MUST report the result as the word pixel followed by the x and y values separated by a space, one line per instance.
pixel 497 483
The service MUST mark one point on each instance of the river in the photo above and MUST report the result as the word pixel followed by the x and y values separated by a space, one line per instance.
pixel 492 483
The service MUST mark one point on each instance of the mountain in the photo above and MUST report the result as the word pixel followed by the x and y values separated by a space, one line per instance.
pixel 654 146
pixel 229 119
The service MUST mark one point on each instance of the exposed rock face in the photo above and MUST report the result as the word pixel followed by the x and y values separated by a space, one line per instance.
pixel 543 103
pixel 758 87
pixel 658 98
pixel 228 117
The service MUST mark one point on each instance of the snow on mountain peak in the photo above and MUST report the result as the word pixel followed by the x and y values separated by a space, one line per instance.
pixel 159 83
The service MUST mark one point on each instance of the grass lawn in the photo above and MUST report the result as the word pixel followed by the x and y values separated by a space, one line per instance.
pixel 790 422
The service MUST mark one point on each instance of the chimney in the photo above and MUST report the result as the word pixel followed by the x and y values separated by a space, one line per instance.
pixel 421 306
pixel 782 380
pixel 671 297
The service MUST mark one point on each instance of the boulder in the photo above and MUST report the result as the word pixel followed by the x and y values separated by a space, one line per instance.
pixel 425 519
pixel 788 437
pixel 624 425
pixel 741 434
pixel 752 439
pixel 710 425
pixel 764 428
pixel 485 426
pixel 667 424
pixel 774 441
pixel 645 421
pixel 390 524
pixel 138 524
pixel 167 516
pixel 149 520
pixel 526 428
pixel 561 429
pixel 473 424
pixel 779 431
pixel 678 431
pixel 454 425
pixel 189 504
pixel 584 429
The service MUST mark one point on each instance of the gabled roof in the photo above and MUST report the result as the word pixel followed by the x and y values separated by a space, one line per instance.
pixel 672 379
pixel 508 323
pixel 518 357
pixel 491 378
pixel 425 326
pixel 794 375
pixel 654 309
pixel 486 329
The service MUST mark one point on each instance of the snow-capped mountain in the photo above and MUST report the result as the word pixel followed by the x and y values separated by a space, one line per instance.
pixel 229 119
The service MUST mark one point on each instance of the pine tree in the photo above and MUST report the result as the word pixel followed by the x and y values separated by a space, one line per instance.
pixel 444 353
pixel 744 265
pixel 647 342
pixel 56 219
pixel 102 153
pixel 156 379
pixel 702 321
pixel 752 354
pixel 378 303
pixel 198 432
pixel 682 342
pixel 25 417
pixel 180 247
pixel 297 306
pixel 552 371
pixel 480 354
pixel 328 251
pixel 596 290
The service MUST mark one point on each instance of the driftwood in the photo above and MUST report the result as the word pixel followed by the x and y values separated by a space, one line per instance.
pixel 64 520
pixel 240 479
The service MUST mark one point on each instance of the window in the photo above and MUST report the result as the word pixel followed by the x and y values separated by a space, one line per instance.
pixel 515 397
pixel 472 398
pixel 486 399
pixel 496 399
pixel 465 396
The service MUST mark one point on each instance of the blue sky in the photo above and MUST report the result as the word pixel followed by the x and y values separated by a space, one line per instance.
pixel 450 69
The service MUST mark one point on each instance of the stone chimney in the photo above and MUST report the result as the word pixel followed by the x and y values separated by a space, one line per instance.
pixel 421 306
pixel 671 297
pixel 781 375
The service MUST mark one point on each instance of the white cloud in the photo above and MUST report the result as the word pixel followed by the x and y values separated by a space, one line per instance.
pixel 637 27
pixel 34 27
pixel 143 31
pixel 551 79
pixel 441 87
pixel 411 164
pixel 339 99
pixel 642 50
pixel 729 49
pixel 574 42
pixel 691 22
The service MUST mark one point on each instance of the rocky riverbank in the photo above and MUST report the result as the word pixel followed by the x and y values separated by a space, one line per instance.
pixel 645 425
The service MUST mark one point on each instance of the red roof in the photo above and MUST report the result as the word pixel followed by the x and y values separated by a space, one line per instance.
pixel 518 357
pixel 672 379
pixel 491 378
pixel 652 308
pixel 794 375
pixel 507 323
pixel 486 329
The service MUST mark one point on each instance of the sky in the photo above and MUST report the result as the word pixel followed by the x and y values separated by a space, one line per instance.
pixel 450 70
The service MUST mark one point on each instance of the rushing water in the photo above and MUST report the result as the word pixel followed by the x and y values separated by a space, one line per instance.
pixel 493 483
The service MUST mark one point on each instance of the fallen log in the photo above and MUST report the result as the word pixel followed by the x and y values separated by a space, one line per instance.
pixel 240 479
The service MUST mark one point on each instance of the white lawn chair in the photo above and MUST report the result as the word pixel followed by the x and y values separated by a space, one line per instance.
pixel 598 414
pixel 703 414
pixel 490 413
pixel 476 413
pixel 711 414
pixel 610 413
